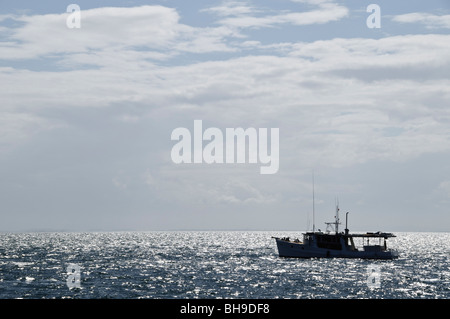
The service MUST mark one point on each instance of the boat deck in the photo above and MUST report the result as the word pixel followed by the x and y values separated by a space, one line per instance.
pixel 365 235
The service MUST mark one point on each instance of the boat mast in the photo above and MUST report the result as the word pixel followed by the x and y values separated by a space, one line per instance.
pixel 314 225
pixel 346 223
pixel 337 217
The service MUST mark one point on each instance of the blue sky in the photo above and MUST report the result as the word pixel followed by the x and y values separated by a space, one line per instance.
pixel 86 114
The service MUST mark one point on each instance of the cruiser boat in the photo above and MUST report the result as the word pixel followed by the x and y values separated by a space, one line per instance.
pixel 335 244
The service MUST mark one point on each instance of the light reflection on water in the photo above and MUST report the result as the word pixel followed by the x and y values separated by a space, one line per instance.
pixel 211 265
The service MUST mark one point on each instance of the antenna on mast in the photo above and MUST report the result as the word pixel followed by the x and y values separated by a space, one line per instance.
pixel 346 223
pixel 337 216
pixel 314 225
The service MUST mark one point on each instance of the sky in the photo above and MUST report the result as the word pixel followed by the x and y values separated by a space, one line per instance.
pixel 87 114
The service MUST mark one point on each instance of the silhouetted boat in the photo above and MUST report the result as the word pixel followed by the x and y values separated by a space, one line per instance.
pixel 336 244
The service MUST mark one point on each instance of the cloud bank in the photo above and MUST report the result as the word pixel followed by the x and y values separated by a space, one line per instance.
pixel 95 107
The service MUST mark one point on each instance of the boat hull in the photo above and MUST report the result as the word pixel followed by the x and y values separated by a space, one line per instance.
pixel 299 250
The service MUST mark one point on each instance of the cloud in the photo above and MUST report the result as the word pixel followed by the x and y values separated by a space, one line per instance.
pixel 109 103
pixel 445 188
pixel 402 51
pixel 431 21
pixel 149 32
pixel 215 186
pixel 19 127
pixel 231 8
pixel 112 28
pixel 241 16
pixel 343 94
pixel 121 180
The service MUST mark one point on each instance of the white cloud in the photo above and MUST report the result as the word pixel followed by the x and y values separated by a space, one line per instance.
pixel 329 92
pixel 445 188
pixel 393 52
pixel 231 8
pixel 431 21
pixel 118 183
pixel 152 32
pixel 18 127
pixel 214 186
pixel 112 28
pixel 337 102
pixel 148 178
pixel 238 16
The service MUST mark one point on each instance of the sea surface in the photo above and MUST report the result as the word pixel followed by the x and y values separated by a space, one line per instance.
pixel 211 264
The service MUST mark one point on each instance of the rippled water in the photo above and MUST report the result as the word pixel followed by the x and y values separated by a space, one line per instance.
pixel 211 265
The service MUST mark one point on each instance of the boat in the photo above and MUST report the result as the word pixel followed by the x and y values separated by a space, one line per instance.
pixel 335 244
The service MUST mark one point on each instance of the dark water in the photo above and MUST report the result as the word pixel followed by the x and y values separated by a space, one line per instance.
pixel 232 264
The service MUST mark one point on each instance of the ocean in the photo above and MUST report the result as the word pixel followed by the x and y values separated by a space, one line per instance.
pixel 210 265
